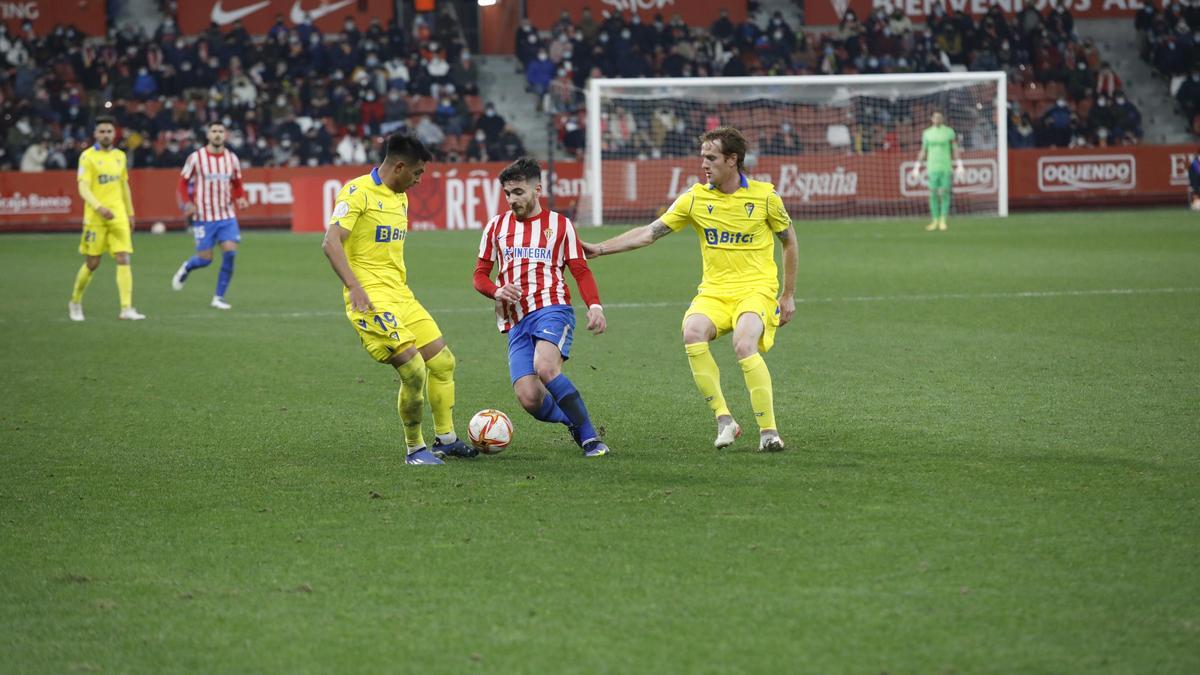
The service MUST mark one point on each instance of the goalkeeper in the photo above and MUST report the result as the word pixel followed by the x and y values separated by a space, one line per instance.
pixel 938 142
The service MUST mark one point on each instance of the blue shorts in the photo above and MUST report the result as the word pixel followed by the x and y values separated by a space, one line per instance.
pixel 209 233
pixel 554 324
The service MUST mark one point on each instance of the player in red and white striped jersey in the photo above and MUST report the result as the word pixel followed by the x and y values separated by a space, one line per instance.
pixel 209 186
pixel 533 305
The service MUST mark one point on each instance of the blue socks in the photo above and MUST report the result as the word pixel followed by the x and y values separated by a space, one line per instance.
pixel 226 273
pixel 196 262
pixel 550 411
pixel 571 403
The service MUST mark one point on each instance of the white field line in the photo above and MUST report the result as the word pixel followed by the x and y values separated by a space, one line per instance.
pixel 483 308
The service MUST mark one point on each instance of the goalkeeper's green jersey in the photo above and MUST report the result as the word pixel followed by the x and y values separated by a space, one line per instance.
pixel 937 141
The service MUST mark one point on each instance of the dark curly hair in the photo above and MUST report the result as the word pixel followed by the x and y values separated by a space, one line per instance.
pixel 523 169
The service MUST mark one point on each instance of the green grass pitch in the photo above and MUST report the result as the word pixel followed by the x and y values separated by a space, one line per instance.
pixel 991 467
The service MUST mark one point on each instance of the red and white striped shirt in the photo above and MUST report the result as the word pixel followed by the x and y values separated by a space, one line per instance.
pixel 218 181
pixel 531 254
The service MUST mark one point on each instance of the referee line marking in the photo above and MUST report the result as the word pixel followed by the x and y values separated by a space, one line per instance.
pixel 917 297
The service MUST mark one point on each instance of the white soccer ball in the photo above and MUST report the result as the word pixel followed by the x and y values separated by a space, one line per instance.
pixel 158 228
pixel 490 431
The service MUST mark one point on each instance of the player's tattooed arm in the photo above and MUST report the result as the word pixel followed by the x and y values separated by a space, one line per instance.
pixel 784 235
pixel 629 240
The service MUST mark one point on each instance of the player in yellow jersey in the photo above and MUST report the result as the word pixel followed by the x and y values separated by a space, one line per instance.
pixel 103 181
pixel 365 245
pixel 735 219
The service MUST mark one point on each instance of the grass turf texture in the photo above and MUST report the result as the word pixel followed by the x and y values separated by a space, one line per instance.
pixel 991 467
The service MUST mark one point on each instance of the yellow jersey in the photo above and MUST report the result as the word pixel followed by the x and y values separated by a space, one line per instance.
pixel 105 172
pixel 735 230
pixel 377 220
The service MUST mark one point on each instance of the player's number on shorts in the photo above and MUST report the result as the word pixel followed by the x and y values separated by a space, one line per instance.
pixel 198 232
pixel 89 235
pixel 384 321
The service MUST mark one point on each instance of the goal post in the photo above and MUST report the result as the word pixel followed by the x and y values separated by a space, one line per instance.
pixel 835 146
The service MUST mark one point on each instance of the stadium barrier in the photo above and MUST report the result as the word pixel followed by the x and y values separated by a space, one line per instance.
pixel 465 196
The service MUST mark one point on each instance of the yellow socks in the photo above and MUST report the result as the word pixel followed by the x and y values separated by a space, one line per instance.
pixel 411 401
pixel 441 391
pixel 758 382
pixel 125 285
pixel 707 377
pixel 82 279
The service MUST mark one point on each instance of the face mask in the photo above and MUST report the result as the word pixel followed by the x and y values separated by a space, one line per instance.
pixel 542 56
pixel 1120 101
pixel 625 34
pixel 604 37
pixel 479 136
pixel 490 113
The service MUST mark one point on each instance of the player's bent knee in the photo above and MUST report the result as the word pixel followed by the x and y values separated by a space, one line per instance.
pixel 529 394
pixel 547 371
pixel 442 364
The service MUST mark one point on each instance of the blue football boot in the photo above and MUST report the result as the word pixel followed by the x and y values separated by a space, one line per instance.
pixel 455 449
pixel 595 448
pixel 422 455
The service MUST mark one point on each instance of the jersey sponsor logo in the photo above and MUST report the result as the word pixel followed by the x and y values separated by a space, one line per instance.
pixel 1086 172
pixel 105 179
pixel 222 177
pixel 714 237
pixel 385 234
pixel 224 17
pixel 979 176
pixel 527 253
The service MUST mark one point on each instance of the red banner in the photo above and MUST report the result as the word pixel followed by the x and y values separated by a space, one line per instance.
pixel 450 196
pixel 830 12
pixel 544 13
pixel 465 196
pixel 195 16
pixel 86 15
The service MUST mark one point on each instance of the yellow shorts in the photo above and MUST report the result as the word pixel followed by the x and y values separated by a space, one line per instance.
pixel 393 327
pixel 106 236
pixel 724 310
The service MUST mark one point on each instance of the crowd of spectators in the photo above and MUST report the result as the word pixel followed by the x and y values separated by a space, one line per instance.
pixel 1169 40
pixel 1062 93
pixel 294 97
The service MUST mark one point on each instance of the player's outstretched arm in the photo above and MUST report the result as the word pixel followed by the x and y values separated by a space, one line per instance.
pixel 791 262
pixel 335 236
pixel 629 240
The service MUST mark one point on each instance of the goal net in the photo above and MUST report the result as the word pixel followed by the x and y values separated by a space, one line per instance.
pixel 833 146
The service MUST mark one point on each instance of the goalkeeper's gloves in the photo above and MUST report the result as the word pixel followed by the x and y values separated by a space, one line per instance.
pixel 959 171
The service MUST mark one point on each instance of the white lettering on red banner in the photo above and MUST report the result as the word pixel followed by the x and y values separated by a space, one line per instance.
pixel 1179 166
pixel 269 193
pixel 1094 172
pixel 18 204
pixel 19 10
pixel 978 177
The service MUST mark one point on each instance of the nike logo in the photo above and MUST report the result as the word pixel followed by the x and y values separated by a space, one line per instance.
pixel 224 17
pixel 297 15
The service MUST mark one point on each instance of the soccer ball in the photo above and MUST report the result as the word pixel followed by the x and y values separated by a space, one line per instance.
pixel 158 227
pixel 490 431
